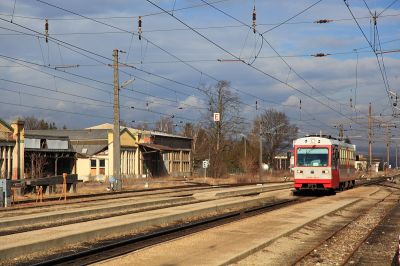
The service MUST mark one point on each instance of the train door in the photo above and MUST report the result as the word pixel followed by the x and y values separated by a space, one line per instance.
pixel 335 166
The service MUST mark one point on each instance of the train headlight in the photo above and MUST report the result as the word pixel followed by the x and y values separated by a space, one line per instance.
pixel 325 171
pixel 299 171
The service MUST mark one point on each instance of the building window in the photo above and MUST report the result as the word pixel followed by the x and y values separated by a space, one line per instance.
pixel 43 144
pixel 102 167
pixel 93 167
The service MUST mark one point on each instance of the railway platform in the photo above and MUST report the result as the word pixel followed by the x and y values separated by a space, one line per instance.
pixel 53 238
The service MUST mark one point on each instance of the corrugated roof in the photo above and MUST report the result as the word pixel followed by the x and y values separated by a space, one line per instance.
pixel 4 123
pixel 81 134
pixel 136 130
pixel 157 147
pixel 89 149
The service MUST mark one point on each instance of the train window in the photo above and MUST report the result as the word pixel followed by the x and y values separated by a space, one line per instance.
pixel 312 157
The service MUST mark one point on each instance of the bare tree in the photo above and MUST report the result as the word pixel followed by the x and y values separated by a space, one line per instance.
pixel 38 162
pixel 200 140
pixel 32 123
pixel 277 133
pixel 141 125
pixel 223 101
pixel 165 124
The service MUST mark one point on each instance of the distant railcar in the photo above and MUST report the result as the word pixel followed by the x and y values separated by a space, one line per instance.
pixel 323 163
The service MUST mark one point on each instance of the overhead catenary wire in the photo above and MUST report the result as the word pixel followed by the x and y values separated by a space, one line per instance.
pixel 381 69
pixel 251 66
pixel 263 38
pixel 65 44
pixel 92 99
pixel 162 49
pixel 386 8
pixel 101 56
pixel 275 51
pixel 166 52
pixel 129 32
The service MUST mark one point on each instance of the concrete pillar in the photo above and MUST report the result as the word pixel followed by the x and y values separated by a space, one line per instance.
pixel 9 162
pixel 126 162
pixel 131 165
pixel 3 166
pixel 18 151
pixel 97 167
pixel 181 161
pixel 140 163
pixel 190 162
pixel 123 162
pixel 137 162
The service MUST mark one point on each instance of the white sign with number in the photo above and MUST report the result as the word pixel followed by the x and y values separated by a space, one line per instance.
pixel 216 117
pixel 205 163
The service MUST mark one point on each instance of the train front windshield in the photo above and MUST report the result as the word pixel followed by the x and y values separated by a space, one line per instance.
pixel 312 157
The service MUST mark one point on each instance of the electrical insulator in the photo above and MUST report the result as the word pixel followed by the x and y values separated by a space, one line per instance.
pixel 320 55
pixel 254 19
pixel 256 105
pixel 46 30
pixel 300 104
pixel 351 103
pixel 140 27
pixel 323 21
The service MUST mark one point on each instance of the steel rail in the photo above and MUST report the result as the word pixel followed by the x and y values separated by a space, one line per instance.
pixel 123 246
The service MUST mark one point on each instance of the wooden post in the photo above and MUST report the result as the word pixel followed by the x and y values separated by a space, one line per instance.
pixel 64 187
pixel 39 194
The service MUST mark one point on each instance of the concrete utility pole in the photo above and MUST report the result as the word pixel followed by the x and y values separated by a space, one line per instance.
pixel 245 148
pixel 116 131
pixel 260 155
pixel 370 135
pixel 341 131
pixel 388 136
pixel 397 146
pixel 220 110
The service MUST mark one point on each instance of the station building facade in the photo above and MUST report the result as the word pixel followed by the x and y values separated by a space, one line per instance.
pixel 89 152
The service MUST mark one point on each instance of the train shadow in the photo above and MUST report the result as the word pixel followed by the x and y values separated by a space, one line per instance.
pixel 314 193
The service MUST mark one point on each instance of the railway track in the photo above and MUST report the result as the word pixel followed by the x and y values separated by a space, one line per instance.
pixel 348 259
pixel 31 203
pixel 370 250
pixel 52 201
pixel 118 247
pixel 112 248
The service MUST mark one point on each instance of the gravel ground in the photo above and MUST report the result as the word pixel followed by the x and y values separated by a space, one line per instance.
pixel 337 249
pixel 381 246
pixel 331 239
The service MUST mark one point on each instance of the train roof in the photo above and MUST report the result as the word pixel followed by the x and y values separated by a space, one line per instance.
pixel 324 140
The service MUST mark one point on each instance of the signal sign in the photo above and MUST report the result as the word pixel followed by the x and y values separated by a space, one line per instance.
pixel 216 117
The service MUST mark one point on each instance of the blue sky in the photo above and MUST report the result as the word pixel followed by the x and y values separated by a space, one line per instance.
pixel 164 83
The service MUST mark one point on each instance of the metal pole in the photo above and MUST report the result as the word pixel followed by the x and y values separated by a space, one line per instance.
pixel 245 148
pixel 397 146
pixel 387 145
pixel 116 139
pixel 370 135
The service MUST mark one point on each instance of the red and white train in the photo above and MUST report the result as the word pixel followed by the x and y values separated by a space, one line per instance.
pixel 323 163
